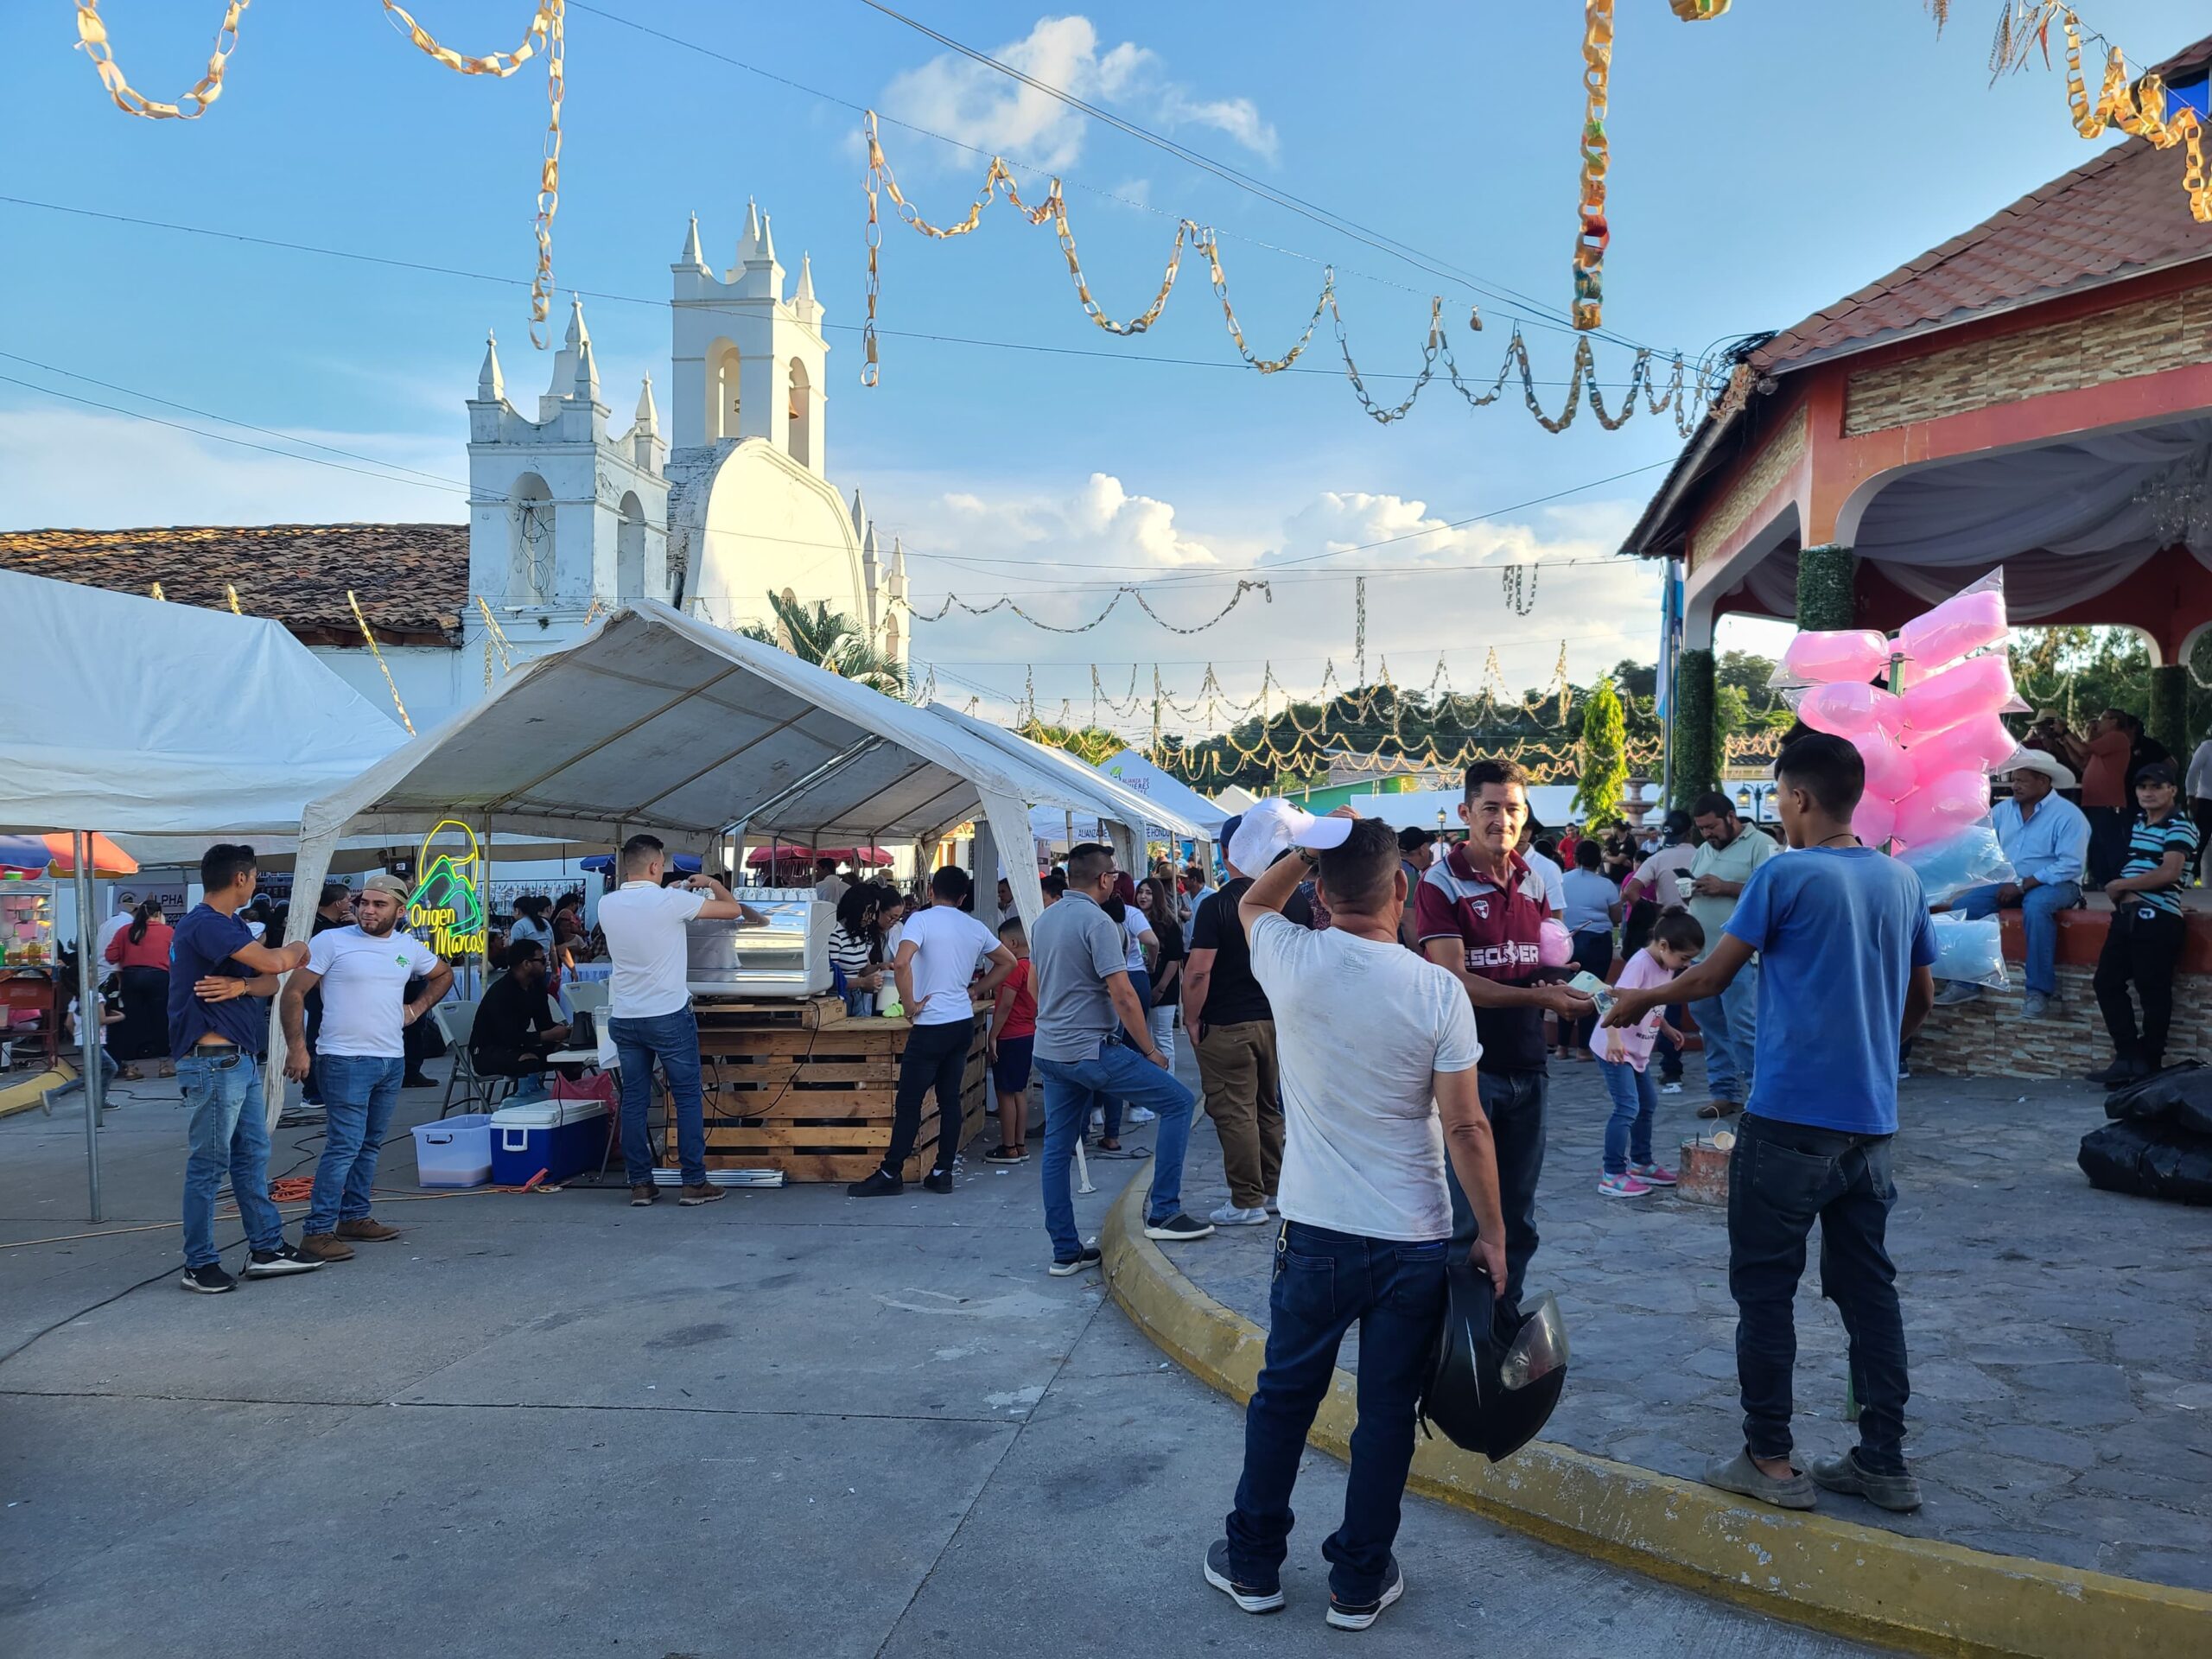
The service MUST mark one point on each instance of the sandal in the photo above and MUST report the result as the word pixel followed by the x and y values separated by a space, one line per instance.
pixel 1003 1154
pixel 130 1074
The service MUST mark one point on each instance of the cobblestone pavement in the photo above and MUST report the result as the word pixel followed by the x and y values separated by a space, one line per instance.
pixel 2060 1349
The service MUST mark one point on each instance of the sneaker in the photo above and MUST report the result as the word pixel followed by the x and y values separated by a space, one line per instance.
pixel 1900 1493
pixel 1358 1615
pixel 2118 1073
pixel 1673 1088
pixel 1956 991
pixel 2035 1005
pixel 882 1184
pixel 1249 1597
pixel 1652 1174
pixel 366 1227
pixel 706 1192
pixel 1097 1120
pixel 1229 1216
pixel 1275 1206
pixel 210 1280
pixel 1178 1228
pixel 1006 1155
pixel 1621 1186
pixel 275 1264
pixel 1142 1115
pixel 938 1180
pixel 416 1080
pixel 644 1193
pixel 325 1246
pixel 1067 1267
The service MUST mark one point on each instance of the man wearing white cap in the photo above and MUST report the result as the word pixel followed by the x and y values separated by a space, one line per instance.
pixel 2046 838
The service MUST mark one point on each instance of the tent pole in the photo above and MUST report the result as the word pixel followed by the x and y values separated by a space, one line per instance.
pixel 88 1018
pixel 484 952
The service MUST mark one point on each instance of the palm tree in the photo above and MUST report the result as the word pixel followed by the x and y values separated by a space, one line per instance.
pixel 815 633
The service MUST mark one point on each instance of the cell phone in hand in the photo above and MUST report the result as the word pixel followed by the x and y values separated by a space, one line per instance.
pixel 1595 988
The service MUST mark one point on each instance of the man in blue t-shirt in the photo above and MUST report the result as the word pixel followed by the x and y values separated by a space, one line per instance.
pixel 1842 933
pixel 218 1025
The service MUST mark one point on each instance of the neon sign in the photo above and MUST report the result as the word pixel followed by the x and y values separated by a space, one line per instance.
pixel 447 907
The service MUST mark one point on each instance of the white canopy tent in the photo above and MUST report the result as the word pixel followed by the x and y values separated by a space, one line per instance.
pixel 655 721
pixel 130 716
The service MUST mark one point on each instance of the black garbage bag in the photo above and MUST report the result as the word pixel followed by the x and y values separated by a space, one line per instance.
pixel 2180 1097
pixel 2151 1160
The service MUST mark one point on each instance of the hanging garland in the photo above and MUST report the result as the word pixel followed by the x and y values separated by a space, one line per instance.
pixel 953 601
pixel 547 33
pixel 1597 156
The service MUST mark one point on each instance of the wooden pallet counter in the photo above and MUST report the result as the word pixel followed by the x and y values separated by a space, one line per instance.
pixel 799 1087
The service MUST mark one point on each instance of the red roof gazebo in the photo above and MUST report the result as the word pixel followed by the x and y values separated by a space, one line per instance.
pixel 2036 393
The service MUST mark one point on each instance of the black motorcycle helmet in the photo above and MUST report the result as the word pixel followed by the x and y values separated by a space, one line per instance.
pixel 1497 1373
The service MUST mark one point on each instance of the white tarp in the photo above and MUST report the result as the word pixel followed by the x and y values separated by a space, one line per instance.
pixel 127 715
pixel 1112 802
pixel 1132 771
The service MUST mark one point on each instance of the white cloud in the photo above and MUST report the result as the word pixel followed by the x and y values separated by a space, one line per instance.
pixel 1431 590
pixel 977 105
pixel 65 468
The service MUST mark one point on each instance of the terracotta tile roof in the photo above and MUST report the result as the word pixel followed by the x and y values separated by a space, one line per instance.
pixel 412 580
pixel 2123 213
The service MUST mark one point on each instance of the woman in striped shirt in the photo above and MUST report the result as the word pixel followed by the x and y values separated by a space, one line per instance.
pixel 856 946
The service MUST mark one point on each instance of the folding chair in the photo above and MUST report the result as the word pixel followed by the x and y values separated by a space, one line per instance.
pixel 457 1020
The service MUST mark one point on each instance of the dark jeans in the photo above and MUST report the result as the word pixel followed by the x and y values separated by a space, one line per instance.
pixel 1782 1177
pixel 2199 812
pixel 1324 1281
pixel 1514 1103
pixel 1668 1052
pixel 936 1057
pixel 2141 948
pixel 673 1039
pixel 1111 1107
pixel 1594 952
pixel 2109 831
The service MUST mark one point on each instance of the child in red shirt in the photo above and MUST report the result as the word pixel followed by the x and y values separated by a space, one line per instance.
pixel 1013 1034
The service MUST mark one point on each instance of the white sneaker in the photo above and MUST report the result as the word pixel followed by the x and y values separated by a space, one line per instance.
pixel 1142 1115
pixel 1670 1088
pixel 1097 1120
pixel 1229 1216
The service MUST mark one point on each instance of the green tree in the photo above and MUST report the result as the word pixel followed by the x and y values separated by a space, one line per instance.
pixel 815 633
pixel 1604 757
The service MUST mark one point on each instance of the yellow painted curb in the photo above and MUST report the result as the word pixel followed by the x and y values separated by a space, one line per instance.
pixel 1918 1593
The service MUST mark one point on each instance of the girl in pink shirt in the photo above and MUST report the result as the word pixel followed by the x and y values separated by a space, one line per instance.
pixel 1623 1053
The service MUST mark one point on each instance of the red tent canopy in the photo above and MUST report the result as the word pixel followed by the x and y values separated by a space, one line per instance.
pixel 785 853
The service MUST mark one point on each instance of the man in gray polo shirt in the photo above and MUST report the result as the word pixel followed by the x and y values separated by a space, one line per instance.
pixel 1092 1041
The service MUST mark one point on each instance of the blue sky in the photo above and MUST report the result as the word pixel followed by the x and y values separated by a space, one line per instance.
pixel 1765 165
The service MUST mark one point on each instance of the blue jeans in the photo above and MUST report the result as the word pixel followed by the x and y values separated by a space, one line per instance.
pixel 673 1039
pixel 1110 1106
pixel 1730 1022
pixel 2039 908
pixel 1514 1103
pixel 1782 1177
pixel 1628 1131
pixel 1324 1282
pixel 358 1091
pixel 228 1134
pixel 1116 1072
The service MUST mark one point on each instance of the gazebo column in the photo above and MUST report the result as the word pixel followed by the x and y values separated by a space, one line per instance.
pixel 2169 720
pixel 1827 585
pixel 1694 731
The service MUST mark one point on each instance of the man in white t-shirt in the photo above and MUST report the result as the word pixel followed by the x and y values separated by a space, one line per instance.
pixel 1377 1051
pixel 649 1009
pixel 125 902
pixel 361 1054
pixel 829 886
pixel 935 963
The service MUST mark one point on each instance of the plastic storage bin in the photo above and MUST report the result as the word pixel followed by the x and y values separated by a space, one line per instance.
pixel 453 1150
pixel 562 1137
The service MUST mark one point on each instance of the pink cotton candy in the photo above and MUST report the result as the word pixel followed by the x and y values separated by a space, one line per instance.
pixel 1940 808
pixel 1889 769
pixel 1849 709
pixel 1960 623
pixel 1555 945
pixel 1844 654
pixel 1980 685
pixel 1975 745
pixel 1875 821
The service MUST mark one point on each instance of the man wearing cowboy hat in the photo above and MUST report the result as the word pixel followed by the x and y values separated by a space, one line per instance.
pixel 2046 838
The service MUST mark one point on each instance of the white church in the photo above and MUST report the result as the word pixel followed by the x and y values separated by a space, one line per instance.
pixel 567 520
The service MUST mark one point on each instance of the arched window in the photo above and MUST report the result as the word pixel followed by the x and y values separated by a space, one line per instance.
pixel 721 391
pixel 630 551
pixel 800 441
pixel 529 542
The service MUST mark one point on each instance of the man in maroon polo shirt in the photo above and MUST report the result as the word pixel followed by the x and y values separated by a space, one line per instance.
pixel 1478 913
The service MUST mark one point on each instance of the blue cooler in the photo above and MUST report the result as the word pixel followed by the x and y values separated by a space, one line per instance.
pixel 562 1137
